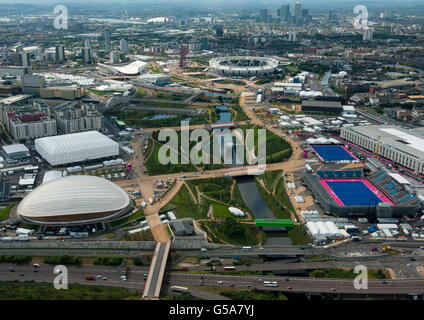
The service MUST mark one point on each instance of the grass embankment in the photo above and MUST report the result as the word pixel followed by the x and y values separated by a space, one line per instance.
pixel 279 211
pixel 337 273
pixel 30 290
pixel 126 220
pixel 277 149
pixel 252 295
pixel 4 213
pixel 233 232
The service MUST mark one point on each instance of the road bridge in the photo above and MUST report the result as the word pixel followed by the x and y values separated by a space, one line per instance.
pixel 156 271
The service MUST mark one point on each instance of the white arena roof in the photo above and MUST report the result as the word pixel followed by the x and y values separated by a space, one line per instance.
pixel 76 147
pixel 134 68
pixel 74 199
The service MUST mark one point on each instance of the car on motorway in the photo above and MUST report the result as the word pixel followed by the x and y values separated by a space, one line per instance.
pixel 232 285
pixel 21 274
pixel 202 277
pixel 261 248
pixel 99 276
pixel 333 289
pixel 11 269
pixel 123 278
pixel 35 270
pixel 287 279
pixel 289 287
pixel 384 282
pixel 219 282
pixel 260 279
pixel 104 278
pixel 248 285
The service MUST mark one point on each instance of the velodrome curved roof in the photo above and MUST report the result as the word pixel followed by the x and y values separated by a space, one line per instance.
pixel 73 197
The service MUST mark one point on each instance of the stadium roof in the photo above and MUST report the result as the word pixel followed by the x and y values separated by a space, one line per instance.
pixel 73 198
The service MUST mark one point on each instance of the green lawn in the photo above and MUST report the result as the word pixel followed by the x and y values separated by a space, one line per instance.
pixel 220 210
pixel 4 213
pixel 154 167
pixel 184 205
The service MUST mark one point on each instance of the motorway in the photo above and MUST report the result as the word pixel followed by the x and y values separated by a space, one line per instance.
pixel 285 284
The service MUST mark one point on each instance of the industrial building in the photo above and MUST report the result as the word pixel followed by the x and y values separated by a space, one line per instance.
pixel 74 200
pixel 76 147
pixel 322 106
pixel 402 146
pixel 16 151
pixel 155 79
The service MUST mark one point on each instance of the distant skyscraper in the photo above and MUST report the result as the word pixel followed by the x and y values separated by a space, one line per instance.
pixel 263 15
pixel 367 35
pixel 107 40
pixel 285 12
pixel 114 57
pixel 124 46
pixel 87 44
pixel 297 12
pixel 86 55
pixel 60 53
pixel 330 16
pixel 24 59
pixel 219 31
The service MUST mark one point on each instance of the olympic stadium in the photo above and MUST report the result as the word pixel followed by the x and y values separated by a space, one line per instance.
pixel 74 200
pixel 341 186
pixel 243 66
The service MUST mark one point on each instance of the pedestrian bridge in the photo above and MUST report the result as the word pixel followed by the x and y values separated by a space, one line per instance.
pixel 154 279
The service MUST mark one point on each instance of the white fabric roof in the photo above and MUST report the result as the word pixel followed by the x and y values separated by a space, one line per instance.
pixel 76 147
pixel 399 178
pixel 133 68
pixel 73 195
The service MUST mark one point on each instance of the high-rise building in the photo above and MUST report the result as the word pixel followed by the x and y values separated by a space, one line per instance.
pixel 285 12
pixel 367 35
pixel 124 46
pixel 86 55
pixel 330 16
pixel 219 31
pixel 87 44
pixel 107 40
pixel 114 57
pixel 263 15
pixel 24 59
pixel 60 53
pixel 297 12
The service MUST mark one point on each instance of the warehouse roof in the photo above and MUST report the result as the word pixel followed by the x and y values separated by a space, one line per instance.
pixel 15 148
pixel 410 142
